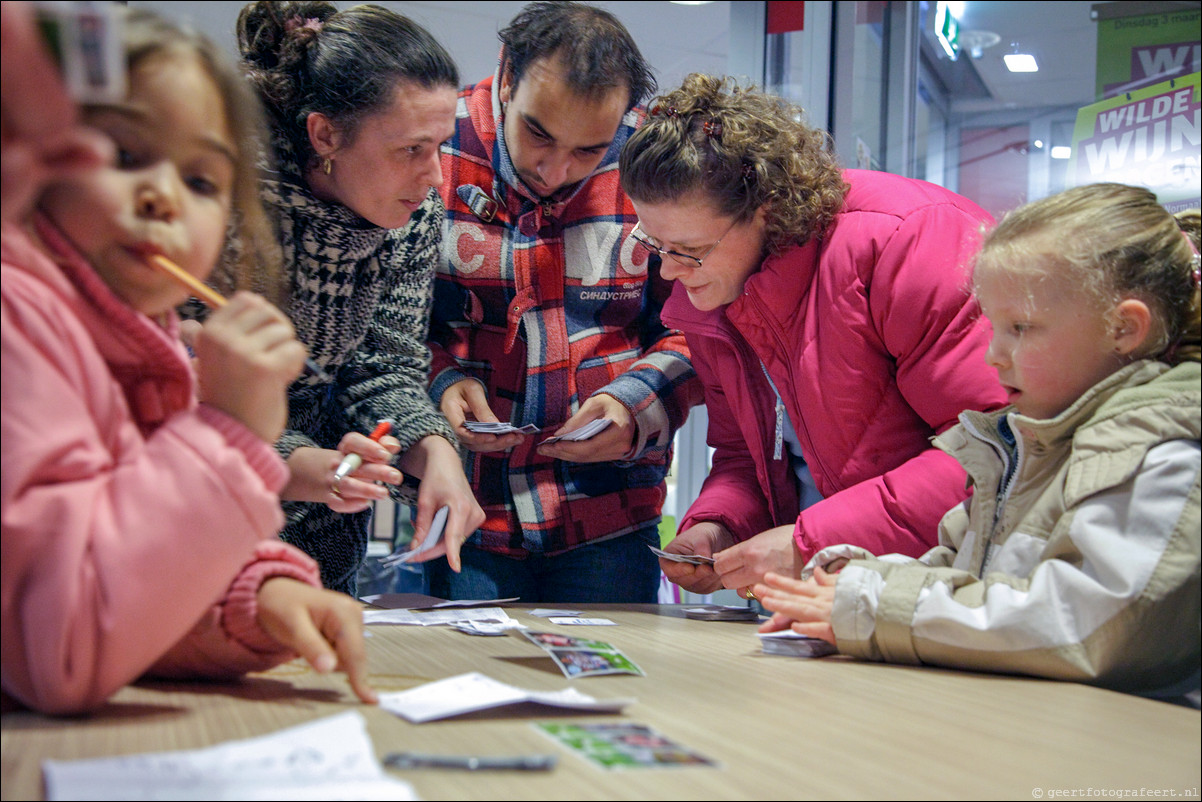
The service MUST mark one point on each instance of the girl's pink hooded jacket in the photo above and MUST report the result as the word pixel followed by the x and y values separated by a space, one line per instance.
pixel 138 525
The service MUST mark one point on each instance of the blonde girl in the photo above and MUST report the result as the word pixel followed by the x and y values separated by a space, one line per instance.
pixel 1077 556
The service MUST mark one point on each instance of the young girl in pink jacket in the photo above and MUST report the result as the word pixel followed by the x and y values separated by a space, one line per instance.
pixel 140 504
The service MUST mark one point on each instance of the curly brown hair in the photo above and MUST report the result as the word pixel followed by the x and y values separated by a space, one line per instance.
pixel 745 150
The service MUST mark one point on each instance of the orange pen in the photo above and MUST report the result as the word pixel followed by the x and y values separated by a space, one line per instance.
pixel 352 461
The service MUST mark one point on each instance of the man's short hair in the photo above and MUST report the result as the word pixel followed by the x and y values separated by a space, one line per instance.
pixel 596 50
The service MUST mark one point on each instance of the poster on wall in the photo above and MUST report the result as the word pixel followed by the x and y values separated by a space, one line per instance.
pixel 1149 137
pixel 1137 50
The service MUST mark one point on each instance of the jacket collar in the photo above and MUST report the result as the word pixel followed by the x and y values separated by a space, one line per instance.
pixel 679 313
pixel 779 285
pixel 89 289
pixel 145 355
pixel 1085 411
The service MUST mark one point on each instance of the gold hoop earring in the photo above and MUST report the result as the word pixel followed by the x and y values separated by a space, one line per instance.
pixel 327 165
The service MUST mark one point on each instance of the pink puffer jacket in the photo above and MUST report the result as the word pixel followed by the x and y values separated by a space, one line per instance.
pixel 875 344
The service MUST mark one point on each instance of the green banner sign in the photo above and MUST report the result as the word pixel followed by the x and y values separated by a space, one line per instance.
pixel 1140 50
pixel 1149 138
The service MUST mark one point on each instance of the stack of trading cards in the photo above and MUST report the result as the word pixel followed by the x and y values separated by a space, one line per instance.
pixel 788 642
pixel 581 657
pixel 695 559
pixel 719 612
pixel 584 432
pixel 499 427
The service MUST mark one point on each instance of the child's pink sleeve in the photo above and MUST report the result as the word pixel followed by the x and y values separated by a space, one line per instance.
pixel 241 609
pixel 228 641
pixel 260 456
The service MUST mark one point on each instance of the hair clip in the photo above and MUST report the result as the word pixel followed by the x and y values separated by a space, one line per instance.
pixel 1195 260
pixel 712 128
pixel 671 111
pixel 748 170
pixel 312 23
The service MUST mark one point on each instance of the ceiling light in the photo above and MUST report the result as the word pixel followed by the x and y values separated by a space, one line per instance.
pixel 1062 152
pixel 976 42
pixel 1020 62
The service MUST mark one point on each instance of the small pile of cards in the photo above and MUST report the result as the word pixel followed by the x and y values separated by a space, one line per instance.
pixel 584 432
pixel 581 657
pixel 721 612
pixel 695 559
pixel 499 427
pixel 788 642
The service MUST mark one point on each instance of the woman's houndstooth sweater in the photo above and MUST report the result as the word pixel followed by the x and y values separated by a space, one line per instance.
pixel 360 300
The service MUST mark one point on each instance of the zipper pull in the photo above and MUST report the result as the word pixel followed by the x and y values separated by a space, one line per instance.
pixel 779 444
pixel 778 447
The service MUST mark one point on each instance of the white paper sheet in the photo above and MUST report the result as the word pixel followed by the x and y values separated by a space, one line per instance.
pixel 331 758
pixel 547 612
pixel 466 693
pixel 430 618
pixel 433 535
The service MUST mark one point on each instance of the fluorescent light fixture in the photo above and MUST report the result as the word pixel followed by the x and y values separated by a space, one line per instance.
pixel 1062 152
pixel 1020 62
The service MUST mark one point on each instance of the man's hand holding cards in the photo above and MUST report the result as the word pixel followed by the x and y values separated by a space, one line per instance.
pixel 499 427
pixel 583 433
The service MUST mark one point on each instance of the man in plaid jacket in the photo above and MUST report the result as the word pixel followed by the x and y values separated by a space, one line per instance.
pixel 545 313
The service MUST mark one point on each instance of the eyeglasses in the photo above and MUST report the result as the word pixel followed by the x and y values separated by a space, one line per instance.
pixel 683 259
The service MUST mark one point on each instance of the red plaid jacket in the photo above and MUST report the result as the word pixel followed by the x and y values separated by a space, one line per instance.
pixel 547 305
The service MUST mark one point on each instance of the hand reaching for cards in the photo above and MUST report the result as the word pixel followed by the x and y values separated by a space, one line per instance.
pixel 614 442
pixel 804 605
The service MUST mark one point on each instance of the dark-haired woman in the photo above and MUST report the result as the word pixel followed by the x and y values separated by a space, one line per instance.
pixel 360 101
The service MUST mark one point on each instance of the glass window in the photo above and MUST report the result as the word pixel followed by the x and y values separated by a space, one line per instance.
pixel 1112 93
pixel 1113 96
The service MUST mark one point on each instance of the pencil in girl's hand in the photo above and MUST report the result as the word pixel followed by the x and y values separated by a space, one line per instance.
pixel 214 299
pixel 204 292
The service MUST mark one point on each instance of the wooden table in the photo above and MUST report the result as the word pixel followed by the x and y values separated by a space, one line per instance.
pixel 781 727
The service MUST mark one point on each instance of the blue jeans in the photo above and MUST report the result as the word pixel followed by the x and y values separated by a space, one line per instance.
pixel 621 569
